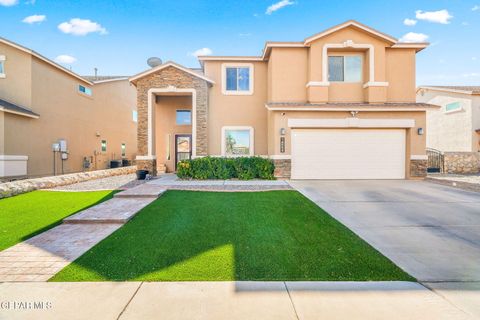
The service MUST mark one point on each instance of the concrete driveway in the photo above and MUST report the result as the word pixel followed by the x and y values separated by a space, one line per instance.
pixel 431 231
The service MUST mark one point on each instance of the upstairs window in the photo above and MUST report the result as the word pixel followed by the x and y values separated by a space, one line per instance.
pixel 134 115
pixel 345 68
pixel 454 106
pixel 2 66
pixel 237 79
pixel 84 90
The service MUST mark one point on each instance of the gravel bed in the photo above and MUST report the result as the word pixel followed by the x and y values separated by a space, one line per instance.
pixel 111 183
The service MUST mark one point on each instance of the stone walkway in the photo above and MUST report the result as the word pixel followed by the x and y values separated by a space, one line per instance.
pixel 41 257
pixel 110 183
pixel 171 181
pixel 231 300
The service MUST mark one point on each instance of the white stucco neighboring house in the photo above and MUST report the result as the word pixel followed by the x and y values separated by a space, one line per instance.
pixel 455 127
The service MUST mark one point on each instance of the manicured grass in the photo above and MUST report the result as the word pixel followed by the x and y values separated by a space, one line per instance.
pixel 188 235
pixel 26 215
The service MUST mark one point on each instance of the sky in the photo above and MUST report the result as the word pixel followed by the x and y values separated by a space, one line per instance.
pixel 117 37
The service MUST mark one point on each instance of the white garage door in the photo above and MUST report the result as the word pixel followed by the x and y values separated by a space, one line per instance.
pixel 348 154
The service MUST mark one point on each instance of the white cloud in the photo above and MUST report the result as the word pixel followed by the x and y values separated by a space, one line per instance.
pixel 32 2
pixel 36 18
pixel 471 75
pixel 476 8
pixel 8 3
pixel 465 23
pixel 202 52
pixel 278 5
pixel 474 58
pixel 409 22
pixel 65 59
pixel 414 37
pixel 81 27
pixel 440 16
pixel 244 35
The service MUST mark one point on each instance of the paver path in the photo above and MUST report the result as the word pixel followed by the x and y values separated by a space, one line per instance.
pixel 41 257
pixel 171 181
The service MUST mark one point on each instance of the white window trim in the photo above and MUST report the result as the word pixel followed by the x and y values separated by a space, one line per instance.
pixel 347 44
pixel 345 65
pixel 454 110
pixel 2 61
pixel 224 79
pixel 252 141
pixel 183 124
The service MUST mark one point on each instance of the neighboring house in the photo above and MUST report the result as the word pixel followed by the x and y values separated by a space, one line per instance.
pixel 338 105
pixel 455 127
pixel 42 103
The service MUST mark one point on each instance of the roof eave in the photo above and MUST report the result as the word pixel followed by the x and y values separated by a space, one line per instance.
pixel 167 64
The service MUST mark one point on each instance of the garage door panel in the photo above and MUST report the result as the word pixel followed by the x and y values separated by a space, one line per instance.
pixel 348 154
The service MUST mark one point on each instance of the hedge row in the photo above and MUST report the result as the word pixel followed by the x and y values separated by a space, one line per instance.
pixel 243 168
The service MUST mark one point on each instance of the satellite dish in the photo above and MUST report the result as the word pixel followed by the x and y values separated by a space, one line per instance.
pixel 154 62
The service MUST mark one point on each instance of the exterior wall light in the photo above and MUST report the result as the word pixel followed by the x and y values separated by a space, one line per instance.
pixel 282 131
pixel 420 131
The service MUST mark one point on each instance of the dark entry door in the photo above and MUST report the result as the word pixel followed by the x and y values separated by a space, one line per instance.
pixel 183 147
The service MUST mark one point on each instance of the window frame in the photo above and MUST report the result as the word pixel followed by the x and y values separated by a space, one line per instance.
pixel 238 128
pixel 460 107
pixel 3 74
pixel 85 93
pixel 344 56
pixel 135 116
pixel 183 110
pixel 251 81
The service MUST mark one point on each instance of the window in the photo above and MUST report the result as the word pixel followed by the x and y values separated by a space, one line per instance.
pixel 124 149
pixel 237 141
pixel 84 90
pixel 184 117
pixel 134 115
pixel 454 106
pixel 104 145
pixel 237 79
pixel 345 68
pixel 2 66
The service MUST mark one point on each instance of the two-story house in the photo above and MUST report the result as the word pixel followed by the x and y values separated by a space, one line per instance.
pixel 90 121
pixel 338 105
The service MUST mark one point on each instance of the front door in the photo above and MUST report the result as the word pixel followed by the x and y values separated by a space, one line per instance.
pixel 183 147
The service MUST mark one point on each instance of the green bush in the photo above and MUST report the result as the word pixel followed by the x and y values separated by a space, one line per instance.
pixel 244 168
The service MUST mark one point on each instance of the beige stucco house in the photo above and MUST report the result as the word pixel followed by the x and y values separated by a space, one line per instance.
pixel 338 105
pixel 455 126
pixel 42 103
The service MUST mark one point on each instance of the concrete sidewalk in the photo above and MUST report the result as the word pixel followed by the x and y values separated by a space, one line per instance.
pixel 226 300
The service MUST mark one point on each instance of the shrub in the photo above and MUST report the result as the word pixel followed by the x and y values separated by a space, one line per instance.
pixel 243 168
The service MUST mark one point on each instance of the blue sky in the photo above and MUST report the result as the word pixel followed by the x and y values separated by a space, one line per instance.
pixel 118 36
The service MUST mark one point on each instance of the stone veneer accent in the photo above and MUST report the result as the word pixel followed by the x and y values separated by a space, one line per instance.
pixel 165 78
pixel 418 168
pixel 462 162
pixel 283 168
pixel 10 189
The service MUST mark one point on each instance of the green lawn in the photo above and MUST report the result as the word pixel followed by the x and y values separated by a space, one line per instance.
pixel 188 235
pixel 26 215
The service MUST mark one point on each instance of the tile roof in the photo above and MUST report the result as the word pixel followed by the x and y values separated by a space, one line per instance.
pixel 350 104
pixel 103 78
pixel 13 108
pixel 461 89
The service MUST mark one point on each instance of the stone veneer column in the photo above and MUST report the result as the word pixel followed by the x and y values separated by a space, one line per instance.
pixel 418 168
pixel 283 168
pixel 170 77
